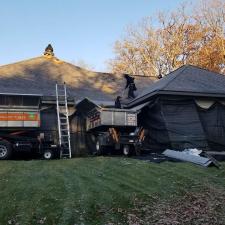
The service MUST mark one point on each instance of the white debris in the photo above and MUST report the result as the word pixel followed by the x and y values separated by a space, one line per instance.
pixel 192 151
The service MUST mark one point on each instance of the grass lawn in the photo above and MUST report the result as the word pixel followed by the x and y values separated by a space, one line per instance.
pixel 110 191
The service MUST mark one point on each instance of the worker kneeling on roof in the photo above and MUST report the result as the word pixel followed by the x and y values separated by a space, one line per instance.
pixel 130 85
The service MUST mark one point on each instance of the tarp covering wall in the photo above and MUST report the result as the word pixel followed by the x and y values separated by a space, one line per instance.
pixel 179 123
pixel 151 118
pixel 183 124
pixel 49 124
pixel 213 122
pixel 82 142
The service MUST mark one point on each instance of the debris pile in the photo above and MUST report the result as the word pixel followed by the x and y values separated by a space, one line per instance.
pixel 192 155
pixel 205 207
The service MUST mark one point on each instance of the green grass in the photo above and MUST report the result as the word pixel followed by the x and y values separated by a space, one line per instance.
pixel 92 190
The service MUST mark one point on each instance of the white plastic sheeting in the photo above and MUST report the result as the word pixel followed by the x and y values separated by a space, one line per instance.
pixel 205 104
pixel 184 156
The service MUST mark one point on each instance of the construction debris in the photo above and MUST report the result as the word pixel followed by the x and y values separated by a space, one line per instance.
pixel 193 156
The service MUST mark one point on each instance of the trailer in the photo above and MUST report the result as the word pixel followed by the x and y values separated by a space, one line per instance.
pixel 19 132
pixel 21 129
pixel 115 129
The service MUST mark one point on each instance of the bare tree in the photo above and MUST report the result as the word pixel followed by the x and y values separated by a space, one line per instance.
pixel 180 38
pixel 210 15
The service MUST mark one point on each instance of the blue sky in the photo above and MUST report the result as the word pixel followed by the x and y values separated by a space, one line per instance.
pixel 78 29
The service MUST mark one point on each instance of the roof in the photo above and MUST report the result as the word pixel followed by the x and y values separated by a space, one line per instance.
pixel 38 76
pixel 99 103
pixel 187 80
pixel 95 103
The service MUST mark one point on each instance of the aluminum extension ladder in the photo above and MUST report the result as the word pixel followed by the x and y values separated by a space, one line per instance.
pixel 63 121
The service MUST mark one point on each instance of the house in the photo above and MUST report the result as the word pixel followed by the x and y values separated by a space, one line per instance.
pixel 184 109
pixel 29 85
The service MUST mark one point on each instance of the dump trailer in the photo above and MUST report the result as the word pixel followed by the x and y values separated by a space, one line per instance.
pixel 21 128
pixel 20 132
pixel 115 129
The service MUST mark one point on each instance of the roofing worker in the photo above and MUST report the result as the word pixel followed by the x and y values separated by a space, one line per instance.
pixel 131 85
pixel 118 103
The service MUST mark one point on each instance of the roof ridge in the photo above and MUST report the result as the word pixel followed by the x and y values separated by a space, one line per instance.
pixel 206 70
pixel 183 68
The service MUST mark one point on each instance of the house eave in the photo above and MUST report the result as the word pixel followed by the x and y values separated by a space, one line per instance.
pixel 146 97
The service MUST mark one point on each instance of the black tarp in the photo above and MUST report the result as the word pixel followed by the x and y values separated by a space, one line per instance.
pixel 183 124
pixel 213 123
pixel 151 119
pixel 82 142
pixel 178 123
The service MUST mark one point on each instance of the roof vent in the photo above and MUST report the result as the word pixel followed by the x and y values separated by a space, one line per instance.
pixel 49 51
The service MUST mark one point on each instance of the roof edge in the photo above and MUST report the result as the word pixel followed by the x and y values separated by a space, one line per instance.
pixel 16 94
pixel 181 93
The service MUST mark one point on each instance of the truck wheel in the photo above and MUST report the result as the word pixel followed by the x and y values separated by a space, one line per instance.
pixel 48 154
pixel 5 150
pixel 137 150
pixel 98 148
pixel 126 150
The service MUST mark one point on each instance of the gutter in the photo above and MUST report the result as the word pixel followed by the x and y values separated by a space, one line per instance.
pixel 16 94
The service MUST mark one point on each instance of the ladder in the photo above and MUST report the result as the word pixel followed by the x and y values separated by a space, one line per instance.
pixel 63 121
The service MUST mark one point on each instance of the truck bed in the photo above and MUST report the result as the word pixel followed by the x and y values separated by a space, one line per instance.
pixel 103 118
